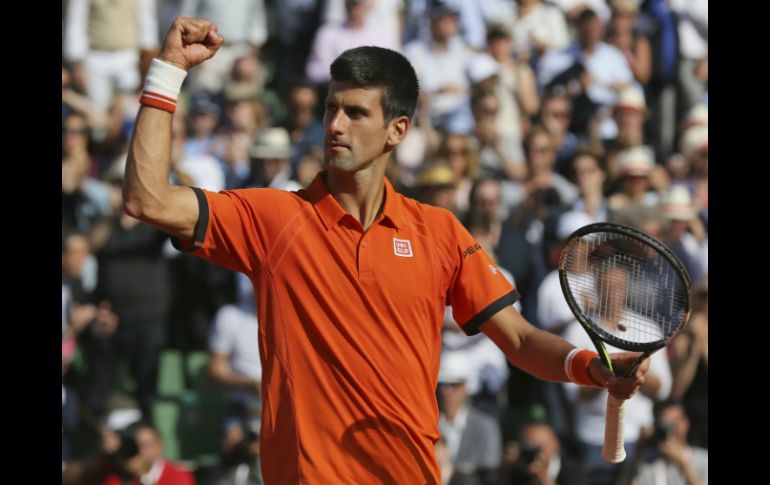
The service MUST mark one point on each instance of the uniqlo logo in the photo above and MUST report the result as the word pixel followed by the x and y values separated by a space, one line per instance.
pixel 402 247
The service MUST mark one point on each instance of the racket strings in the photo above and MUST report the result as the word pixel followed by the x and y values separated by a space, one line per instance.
pixel 625 287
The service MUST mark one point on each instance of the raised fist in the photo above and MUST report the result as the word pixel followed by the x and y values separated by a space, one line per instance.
pixel 190 42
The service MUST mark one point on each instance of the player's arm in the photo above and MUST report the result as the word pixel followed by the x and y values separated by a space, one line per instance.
pixel 542 354
pixel 147 194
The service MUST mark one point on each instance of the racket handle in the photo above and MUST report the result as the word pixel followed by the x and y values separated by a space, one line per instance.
pixel 613 451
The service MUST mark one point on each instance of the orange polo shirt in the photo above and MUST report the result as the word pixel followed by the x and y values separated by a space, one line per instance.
pixel 349 325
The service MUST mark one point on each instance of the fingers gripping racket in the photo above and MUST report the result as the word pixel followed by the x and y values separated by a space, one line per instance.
pixel 628 290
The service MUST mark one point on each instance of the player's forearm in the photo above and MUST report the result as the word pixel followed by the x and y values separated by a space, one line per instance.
pixel 146 187
pixel 534 351
pixel 542 354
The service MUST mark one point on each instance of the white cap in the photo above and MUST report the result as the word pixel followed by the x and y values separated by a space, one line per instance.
pixel 481 67
pixel 698 115
pixel 454 369
pixel 636 161
pixel 631 98
pixel 272 143
pixel 570 222
pixel 676 204
pixel 695 138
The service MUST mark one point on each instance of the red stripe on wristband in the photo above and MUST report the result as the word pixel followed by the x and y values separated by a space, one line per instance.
pixel 579 368
pixel 159 101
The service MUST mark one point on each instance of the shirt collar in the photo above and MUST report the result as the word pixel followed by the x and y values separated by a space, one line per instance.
pixel 330 212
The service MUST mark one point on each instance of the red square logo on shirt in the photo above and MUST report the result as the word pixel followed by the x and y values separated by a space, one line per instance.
pixel 402 247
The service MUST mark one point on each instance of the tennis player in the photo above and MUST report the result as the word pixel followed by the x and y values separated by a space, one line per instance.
pixel 351 278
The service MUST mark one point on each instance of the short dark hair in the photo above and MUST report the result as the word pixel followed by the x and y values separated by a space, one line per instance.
pixel 586 15
pixel 370 66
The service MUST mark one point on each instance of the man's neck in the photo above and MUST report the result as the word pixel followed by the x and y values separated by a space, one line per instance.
pixel 360 193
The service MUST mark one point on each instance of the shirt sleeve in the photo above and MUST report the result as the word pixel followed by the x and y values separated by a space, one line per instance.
pixel 477 289
pixel 234 226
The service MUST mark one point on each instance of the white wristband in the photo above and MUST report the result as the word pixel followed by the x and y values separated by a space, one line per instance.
pixel 568 363
pixel 162 85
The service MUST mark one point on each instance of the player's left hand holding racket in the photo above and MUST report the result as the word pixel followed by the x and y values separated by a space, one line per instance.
pixel 629 290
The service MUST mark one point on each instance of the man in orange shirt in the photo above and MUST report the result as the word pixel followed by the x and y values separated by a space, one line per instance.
pixel 351 278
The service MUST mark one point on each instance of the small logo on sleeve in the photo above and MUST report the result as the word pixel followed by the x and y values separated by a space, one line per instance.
pixel 493 269
pixel 402 247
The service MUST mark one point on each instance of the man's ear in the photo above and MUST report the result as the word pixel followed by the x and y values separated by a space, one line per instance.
pixel 397 129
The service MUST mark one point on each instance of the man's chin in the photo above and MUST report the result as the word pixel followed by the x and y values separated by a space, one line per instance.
pixel 341 165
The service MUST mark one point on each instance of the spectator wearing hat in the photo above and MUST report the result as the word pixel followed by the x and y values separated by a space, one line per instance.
pixel 203 120
pixel 441 63
pixel 435 185
pixel 685 234
pixel 636 166
pixel 473 438
pixel 629 116
pixel 694 147
pixel 462 158
pixel 269 154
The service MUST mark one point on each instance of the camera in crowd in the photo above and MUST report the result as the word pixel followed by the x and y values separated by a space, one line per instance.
pixel 528 452
pixel 662 431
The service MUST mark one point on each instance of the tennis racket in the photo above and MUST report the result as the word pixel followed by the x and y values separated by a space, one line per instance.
pixel 628 290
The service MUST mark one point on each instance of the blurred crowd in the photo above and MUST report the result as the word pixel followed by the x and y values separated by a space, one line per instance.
pixel 535 118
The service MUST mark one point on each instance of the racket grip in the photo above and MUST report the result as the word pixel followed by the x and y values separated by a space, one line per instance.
pixel 613 451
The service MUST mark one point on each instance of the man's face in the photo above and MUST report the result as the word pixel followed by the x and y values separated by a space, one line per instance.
pixel 354 126
pixel 302 104
pixel 675 416
pixel 590 32
pixel 588 174
pixel 270 167
pixel 488 199
pixel 73 258
pixel 629 119
pixel 557 113
pixel 541 154
pixel 150 447
pixel 74 133
pixel 451 396
pixel 444 27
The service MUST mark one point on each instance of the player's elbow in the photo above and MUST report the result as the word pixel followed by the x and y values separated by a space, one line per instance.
pixel 131 207
pixel 140 208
